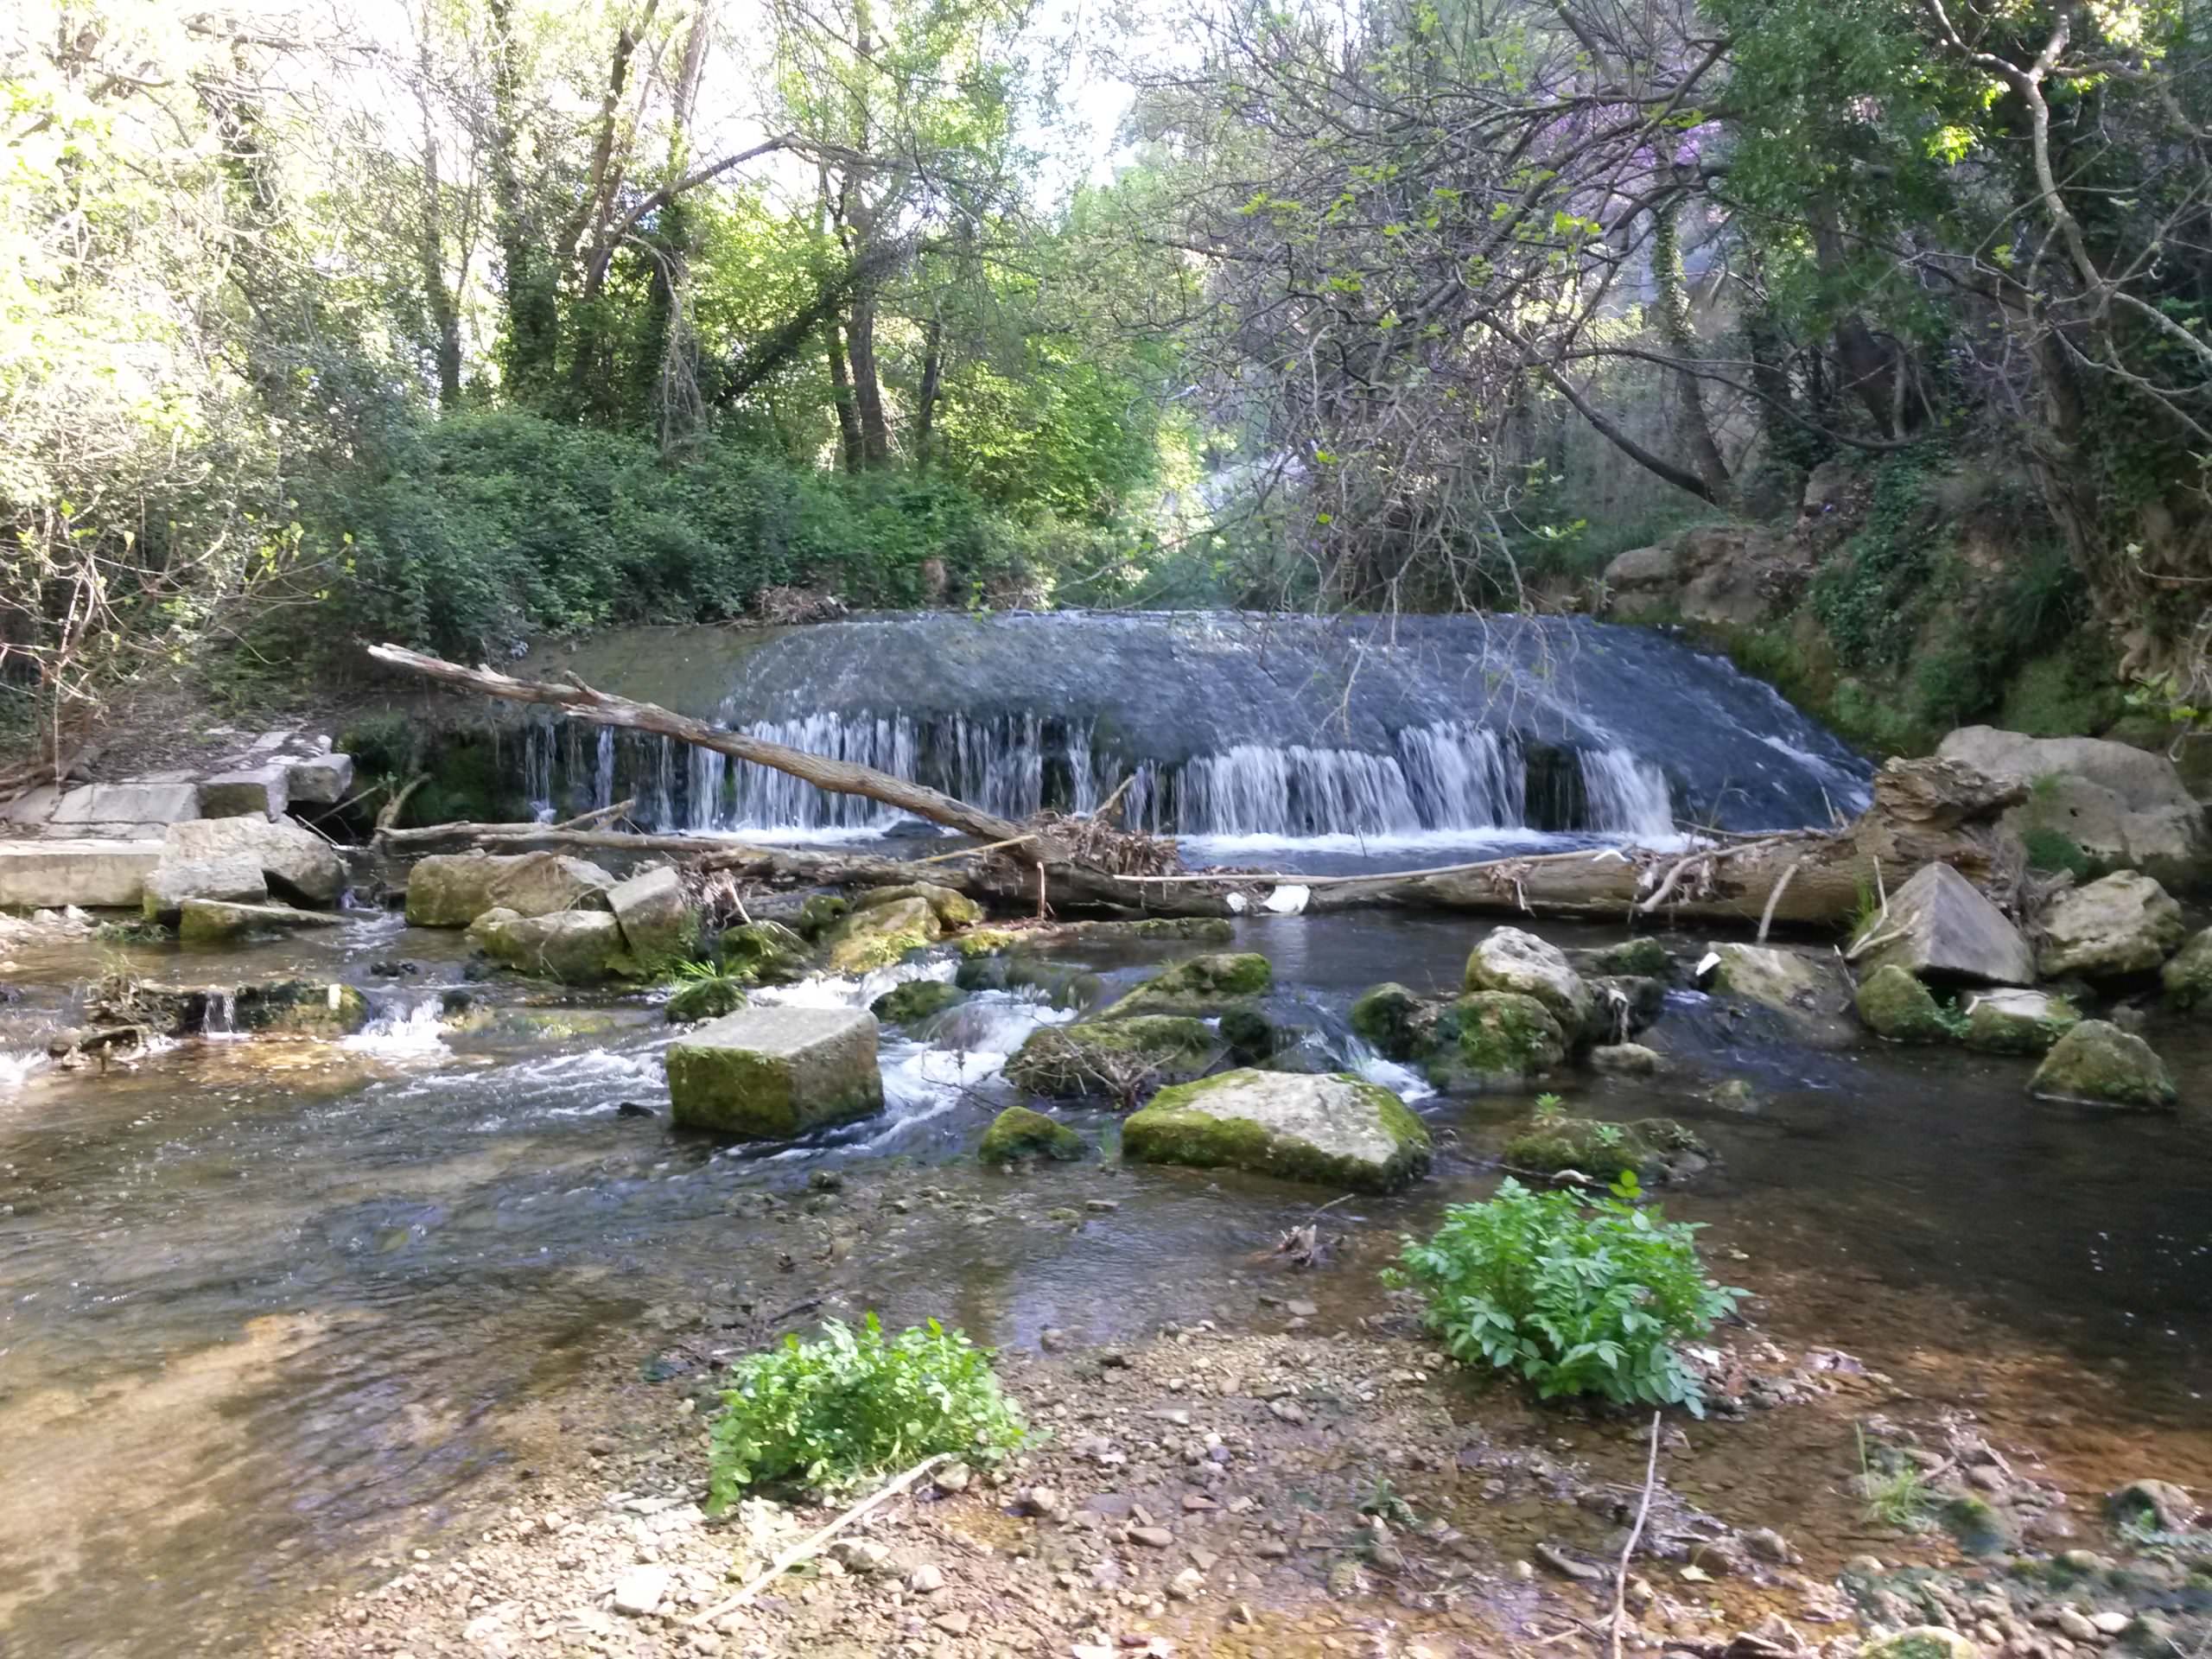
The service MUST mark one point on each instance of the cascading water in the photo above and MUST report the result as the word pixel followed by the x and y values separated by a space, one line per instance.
pixel 1223 726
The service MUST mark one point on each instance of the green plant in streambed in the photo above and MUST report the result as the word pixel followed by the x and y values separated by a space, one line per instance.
pixel 1384 1501
pixel 1574 1298
pixel 826 1413
pixel 1896 1496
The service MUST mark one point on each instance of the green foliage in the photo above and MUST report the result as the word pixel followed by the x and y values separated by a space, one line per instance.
pixel 1863 596
pixel 1575 1300
pixel 2054 850
pixel 1897 1495
pixel 825 1413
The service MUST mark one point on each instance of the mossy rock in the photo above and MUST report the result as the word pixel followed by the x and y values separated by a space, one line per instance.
pixel 1334 1130
pixel 1892 1003
pixel 1114 1059
pixel 1643 957
pixel 1621 1005
pixel 2015 1021
pixel 301 1007
pixel 1979 1527
pixel 1657 1150
pixel 952 908
pixel 1018 1133
pixel 915 1001
pixel 2098 1062
pixel 880 935
pixel 1493 1039
pixel 2188 977
pixel 1209 984
pixel 819 913
pixel 1251 1036
pixel 985 941
pixel 1063 985
pixel 704 999
pixel 1393 1021
pixel 763 953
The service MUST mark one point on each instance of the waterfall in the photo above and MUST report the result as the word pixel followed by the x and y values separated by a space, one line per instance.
pixel 537 768
pixel 220 1015
pixel 603 771
pixel 1627 796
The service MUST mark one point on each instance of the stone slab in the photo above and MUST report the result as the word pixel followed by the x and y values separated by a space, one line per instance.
pixel 129 803
pixel 320 780
pixel 263 792
pixel 1947 929
pixel 771 1073
pixel 96 874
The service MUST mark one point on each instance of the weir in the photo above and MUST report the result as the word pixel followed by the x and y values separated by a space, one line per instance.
pixel 1220 725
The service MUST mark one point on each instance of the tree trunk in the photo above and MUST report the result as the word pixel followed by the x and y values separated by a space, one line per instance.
pixel 529 283
pixel 925 399
pixel 867 382
pixel 841 395
pixel 1676 329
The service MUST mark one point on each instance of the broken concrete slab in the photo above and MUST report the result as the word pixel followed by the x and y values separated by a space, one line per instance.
pixel 125 803
pixel 771 1073
pixel 96 875
pixel 1941 926
pixel 263 792
pixel 320 780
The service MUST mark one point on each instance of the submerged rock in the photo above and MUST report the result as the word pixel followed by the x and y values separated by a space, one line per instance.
pixel 952 908
pixel 2099 1063
pixel 658 924
pixel 297 863
pixel 452 889
pixel 1807 990
pixel 576 947
pixel 1893 1004
pixel 2016 1022
pixel 1065 985
pixel 210 921
pixel 1336 1129
pixel 1508 959
pixel 774 1073
pixel 2124 923
pixel 1115 1059
pixel 1939 924
pixel 1018 1133
pixel 299 1007
pixel 704 999
pixel 1206 984
pixel 1625 1059
pixel 881 934
pixel 918 999
pixel 2188 977
pixel 1491 1039
pixel 1657 1150
pixel 232 878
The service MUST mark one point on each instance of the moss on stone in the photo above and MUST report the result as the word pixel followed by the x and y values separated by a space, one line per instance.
pixel 765 953
pixel 704 999
pixel 985 941
pixel 2099 1063
pixel 1018 1133
pixel 1251 1036
pixel 1389 1019
pixel 1892 1003
pixel 917 999
pixel 881 934
pixel 1643 957
pixel 1206 984
pixel 2018 1022
pixel 819 913
pixel 1334 1129
pixel 301 1007
pixel 1063 985
pixel 1493 1040
pixel 2188 977
pixel 1117 1060
pixel 952 908
pixel 1606 1151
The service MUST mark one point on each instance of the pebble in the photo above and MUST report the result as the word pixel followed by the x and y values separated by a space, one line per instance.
pixel 2074 1626
pixel 2110 1623
pixel 1289 1410
pixel 953 1624
pixel 640 1590
pixel 1187 1585
pixel 1152 1537
pixel 926 1580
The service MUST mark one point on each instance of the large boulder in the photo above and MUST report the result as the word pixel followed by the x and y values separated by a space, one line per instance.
pixel 297 863
pixel 576 947
pixel 1115 1059
pixel 210 921
pixel 1017 1133
pixel 452 889
pixel 1391 1020
pixel 2098 1062
pixel 1334 1128
pixel 1807 990
pixel 658 924
pixel 2121 805
pixel 1209 984
pixel 879 936
pixel 2188 977
pixel 2122 924
pixel 232 878
pixel 952 908
pixel 1893 1004
pixel 1940 925
pixel 774 1073
pixel 1508 959
pixel 2016 1022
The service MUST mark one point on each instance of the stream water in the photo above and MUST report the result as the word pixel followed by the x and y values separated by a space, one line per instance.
pixel 268 1307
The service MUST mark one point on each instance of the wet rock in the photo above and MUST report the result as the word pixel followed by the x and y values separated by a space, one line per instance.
pixel 573 947
pixel 1807 990
pixel 819 913
pixel 1940 925
pixel 1622 1005
pixel 2160 1503
pixel 1894 1004
pixel 1114 1059
pixel 915 1001
pixel 1491 1039
pixel 704 999
pixel 1336 1129
pixel 298 864
pixel 1018 1133
pixel 1508 959
pixel 1921 1641
pixel 950 908
pixel 230 878
pixel 658 924
pixel 1625 1059
pixel 2188 977
pixel 1203 985
pixel 1388 1018
pixel 1065 985
pixel 2124 923
pixel 452 889
pixel 1657 1150
pixel 210 921
pixel 2099 1063
pixel 299 1007
pixel 767 953
pixel 881 934
pixel 1643 957
pixel 774 1073
pixel 2016 1022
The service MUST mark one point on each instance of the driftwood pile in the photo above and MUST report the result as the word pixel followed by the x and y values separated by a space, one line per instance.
pixel 1922 811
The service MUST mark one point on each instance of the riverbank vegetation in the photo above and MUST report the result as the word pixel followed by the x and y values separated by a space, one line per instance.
pixel 485 320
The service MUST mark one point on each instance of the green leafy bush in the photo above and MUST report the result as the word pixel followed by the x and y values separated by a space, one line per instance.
pixel 1576 1299
pixel 824 1414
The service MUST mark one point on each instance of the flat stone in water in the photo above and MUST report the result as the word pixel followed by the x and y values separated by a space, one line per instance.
pixel 1334 1128
pixel 771 1073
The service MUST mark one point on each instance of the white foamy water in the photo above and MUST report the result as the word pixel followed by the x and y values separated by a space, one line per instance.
pixel 18 1066
pixel 409 1033
pixel 1402 1081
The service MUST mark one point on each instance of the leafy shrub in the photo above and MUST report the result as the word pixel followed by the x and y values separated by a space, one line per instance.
pixel 828 1413
pixel 2054 850
pixel 1575 1302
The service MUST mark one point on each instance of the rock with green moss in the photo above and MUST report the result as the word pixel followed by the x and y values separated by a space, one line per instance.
pixel 2188 977
pixel 1393 1021
pixel 574 947
pixel 763 953
pixel 1922 1642
pixel 774 1073
pixel 1063 985
pixel 1895 1004
pixel 210 921
pixel 1017 1133
pixel 1658 1151
pixel 1625 1059
pixel 1621 1005
pixel 1252 1037
pixel 1510 959
pixel 917 999
pixel 2098 1062
pixel 705 998
pixel 1117 1060
pixel 1334 1129
pixel 2124 924
pixel 985 941
pixel 951 909
pixel 882 934
pixel 819 913
pixel 1491 1039
pixel 1209 984
pixel 299 1007
pixel 1641 958
pixel 2014 1021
